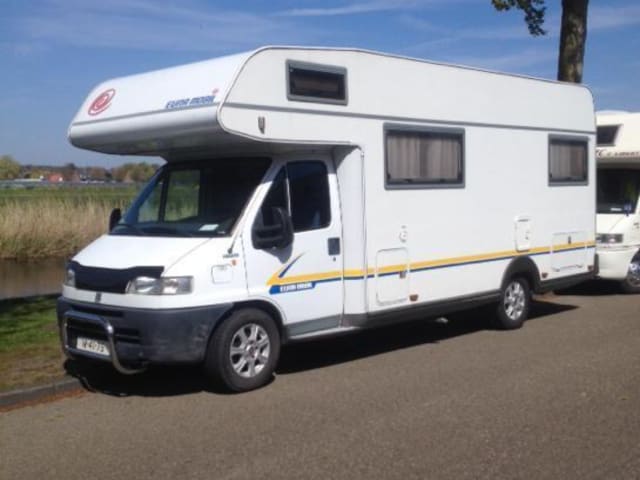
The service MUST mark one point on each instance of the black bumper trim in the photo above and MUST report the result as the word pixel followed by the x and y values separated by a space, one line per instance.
pixel 144 336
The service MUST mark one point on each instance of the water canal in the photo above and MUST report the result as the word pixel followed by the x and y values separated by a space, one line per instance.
pixel 25 279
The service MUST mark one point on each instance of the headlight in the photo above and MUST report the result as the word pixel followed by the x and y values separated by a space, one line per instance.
pixel 609 238
pixel 69 277
pixel 160 286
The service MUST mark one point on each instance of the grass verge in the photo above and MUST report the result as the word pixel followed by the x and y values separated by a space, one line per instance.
pixel 30 351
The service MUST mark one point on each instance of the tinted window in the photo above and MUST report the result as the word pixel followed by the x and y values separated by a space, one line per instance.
pixel 150 209
pixel 317 83
pixel 424 157
pixel 618 190
pixel 182 195
pixel 607 134
pixel 309 195
pixel 194 199
pixel 276 198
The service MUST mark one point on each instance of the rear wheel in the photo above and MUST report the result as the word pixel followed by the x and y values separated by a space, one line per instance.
pixel 515 302
pixel 631 284
pixel 243 351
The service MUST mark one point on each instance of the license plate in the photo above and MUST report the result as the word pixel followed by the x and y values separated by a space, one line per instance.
pixel 94 346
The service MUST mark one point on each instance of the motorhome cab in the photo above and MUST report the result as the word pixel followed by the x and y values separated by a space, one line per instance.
pixel 313 191
pixel 618 219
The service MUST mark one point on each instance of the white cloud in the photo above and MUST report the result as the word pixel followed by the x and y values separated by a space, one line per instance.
pixel 354 8
pixel 155 25
pixel 367 7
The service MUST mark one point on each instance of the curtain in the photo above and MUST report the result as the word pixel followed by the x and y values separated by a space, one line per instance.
pixel 568 161
pixel 424 157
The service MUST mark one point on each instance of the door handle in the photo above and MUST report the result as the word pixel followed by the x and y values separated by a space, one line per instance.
pixel 333 245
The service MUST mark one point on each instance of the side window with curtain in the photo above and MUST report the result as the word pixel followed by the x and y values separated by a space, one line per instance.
pixel 424 158
pixel 309 195
pixel 568 161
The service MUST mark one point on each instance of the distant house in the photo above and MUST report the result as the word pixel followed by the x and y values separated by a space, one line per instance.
pixel 55 177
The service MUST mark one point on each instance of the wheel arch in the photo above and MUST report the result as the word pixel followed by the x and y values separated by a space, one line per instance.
pixel 522 266
pixel 267 307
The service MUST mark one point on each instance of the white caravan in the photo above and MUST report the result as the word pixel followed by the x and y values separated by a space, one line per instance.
pixel 618 219
pixel 315 191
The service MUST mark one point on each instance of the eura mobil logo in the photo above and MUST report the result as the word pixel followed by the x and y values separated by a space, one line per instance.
pixel 102 102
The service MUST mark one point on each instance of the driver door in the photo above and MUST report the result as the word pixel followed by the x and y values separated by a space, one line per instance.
pixel 304 279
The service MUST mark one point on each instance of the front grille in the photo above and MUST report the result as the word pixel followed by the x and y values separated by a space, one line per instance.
pixel 79 328
pixel 129 335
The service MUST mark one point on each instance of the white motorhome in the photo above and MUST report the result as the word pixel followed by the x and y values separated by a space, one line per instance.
pixel 618 219
pixel 315 191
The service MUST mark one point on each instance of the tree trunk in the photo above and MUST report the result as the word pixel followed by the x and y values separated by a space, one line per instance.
pixel 573 37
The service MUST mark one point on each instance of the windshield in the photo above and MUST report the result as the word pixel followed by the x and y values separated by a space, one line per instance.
pixel 201 199
pixel 618 190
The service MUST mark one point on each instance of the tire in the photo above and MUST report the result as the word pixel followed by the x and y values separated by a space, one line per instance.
pixel 515 303
pixel 631 284
pixel 243 351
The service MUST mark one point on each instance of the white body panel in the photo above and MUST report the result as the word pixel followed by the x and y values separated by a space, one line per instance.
pixel 399 247
pixel 174 108
pixel 622 154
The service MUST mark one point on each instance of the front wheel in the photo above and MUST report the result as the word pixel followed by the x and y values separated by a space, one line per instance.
pixel 515 302
pixel 631 284
pixel 243 351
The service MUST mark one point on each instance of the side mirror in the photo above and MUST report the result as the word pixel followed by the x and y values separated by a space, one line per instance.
pixel 279 235
pixel 114 217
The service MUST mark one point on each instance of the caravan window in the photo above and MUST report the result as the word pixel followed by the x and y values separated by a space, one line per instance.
pixel 310 82
pixel 607 135
pixel 424 158
pixel 568 161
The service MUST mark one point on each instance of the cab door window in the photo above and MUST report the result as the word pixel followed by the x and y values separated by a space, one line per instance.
pixel 302 190
pixel 278 197
pixel 309 195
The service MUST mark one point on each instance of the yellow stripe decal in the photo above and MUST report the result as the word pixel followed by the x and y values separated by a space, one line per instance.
pixel 355 274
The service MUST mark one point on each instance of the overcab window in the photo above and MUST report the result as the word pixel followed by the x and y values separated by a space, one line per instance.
pixel 606 135
pixel 316 83
pixel 567 161
pixel 425 158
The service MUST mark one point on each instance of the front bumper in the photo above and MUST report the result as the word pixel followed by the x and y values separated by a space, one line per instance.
pixel 614 262
pixel 138 337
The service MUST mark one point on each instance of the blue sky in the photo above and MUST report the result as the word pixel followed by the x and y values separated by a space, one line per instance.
pixel 53 52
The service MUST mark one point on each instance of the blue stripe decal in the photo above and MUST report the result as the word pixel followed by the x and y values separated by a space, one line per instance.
pixel 288 267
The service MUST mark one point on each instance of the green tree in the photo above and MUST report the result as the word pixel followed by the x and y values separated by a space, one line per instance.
pixel 573 31
pixel 134 172
pixel 9 168
pixel 97 173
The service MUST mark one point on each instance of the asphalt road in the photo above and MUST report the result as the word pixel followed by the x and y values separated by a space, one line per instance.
pixel 558 399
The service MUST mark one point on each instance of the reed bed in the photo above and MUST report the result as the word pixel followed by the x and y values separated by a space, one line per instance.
pixel 42 226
